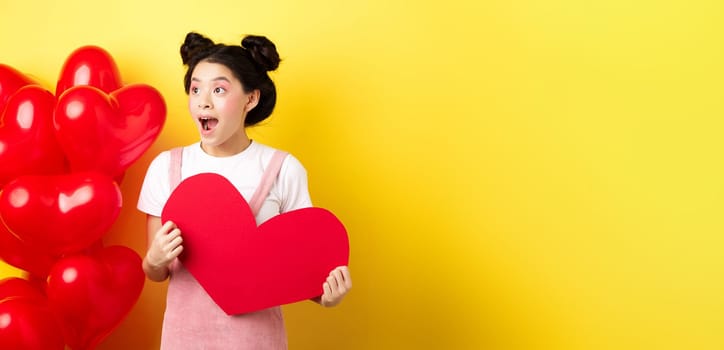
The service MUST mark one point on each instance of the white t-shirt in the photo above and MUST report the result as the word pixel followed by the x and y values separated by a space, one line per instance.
pixel 244 170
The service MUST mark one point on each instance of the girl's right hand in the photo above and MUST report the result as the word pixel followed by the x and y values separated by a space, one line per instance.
pixel 165 246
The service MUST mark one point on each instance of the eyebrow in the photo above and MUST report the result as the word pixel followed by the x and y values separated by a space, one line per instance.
pixel 215 79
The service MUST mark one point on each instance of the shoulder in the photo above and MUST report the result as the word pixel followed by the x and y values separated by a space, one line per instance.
pixel 161 161
pixel 290 161
pixel 262 151
pixel 291 166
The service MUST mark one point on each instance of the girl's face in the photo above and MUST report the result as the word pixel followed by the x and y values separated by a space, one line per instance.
pixel 218 106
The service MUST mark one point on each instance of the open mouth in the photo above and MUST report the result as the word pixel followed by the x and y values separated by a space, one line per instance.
pixel 208 123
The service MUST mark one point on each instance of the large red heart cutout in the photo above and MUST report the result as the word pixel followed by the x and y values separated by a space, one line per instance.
pixel 247 268
pixel 89 65
pixel 92 294
pixel 63 213
pixel 27 138
pixel 108 132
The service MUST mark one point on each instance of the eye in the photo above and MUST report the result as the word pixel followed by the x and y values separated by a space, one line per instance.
pixel 194 90
pixel 219 90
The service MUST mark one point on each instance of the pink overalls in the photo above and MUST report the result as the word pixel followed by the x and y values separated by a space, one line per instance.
pixel 193 320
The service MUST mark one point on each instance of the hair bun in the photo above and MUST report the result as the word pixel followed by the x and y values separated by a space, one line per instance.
pixel 263 51
pixel 193 44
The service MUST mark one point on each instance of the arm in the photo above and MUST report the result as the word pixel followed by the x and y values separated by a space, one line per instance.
pixel 338 284
pixel 164 245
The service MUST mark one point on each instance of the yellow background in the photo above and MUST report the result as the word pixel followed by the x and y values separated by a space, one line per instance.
pixel 520 174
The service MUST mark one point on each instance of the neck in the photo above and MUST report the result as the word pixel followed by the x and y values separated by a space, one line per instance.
pixel 229 148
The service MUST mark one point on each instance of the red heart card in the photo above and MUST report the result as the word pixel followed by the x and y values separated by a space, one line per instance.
pixel 246 268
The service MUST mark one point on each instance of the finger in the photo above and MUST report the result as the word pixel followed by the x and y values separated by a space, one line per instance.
pixel 176 252
pixel 332 281
pixel 175 243
pixel 166 227
pixel 174 233
pixel 163 230
pixel 346 277
pixel 327 294
pixel 172 250
pixel 339 277
pixel 343 280
pixel 168 238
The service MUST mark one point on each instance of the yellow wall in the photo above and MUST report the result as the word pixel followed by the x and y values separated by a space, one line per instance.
pixel 513 174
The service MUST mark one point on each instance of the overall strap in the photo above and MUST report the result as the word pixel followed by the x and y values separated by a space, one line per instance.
pixel 174 169
pixel 267 180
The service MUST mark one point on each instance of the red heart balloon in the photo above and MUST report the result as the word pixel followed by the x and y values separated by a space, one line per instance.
pixel 10 81
pixel 15 287
pixel 246 268
pixel 27 137
pixel 107 133
pixel 23 256
pixel 93 293
pixel 60 214
pixel 25 318
pixel 89 65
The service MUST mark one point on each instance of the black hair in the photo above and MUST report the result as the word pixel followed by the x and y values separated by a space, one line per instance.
pixel 249 63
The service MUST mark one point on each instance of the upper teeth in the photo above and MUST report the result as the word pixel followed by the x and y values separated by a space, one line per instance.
pixel 205 123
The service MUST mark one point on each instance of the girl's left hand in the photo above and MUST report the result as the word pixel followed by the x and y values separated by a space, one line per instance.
pixel 336 287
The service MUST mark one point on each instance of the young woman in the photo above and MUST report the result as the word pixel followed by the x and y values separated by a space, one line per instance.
pixel 229 89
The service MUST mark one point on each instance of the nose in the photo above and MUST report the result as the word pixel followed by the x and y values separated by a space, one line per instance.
pixel 204 102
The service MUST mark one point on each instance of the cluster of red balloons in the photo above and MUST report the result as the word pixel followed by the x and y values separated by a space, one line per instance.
pixel 62 156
